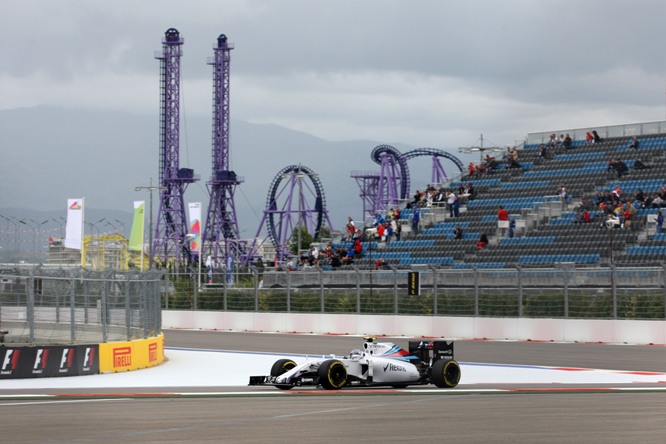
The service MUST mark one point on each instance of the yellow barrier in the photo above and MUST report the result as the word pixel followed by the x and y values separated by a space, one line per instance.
pixel 133 355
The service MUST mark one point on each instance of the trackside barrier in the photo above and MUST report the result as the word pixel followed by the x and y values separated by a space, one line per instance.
pixel 131 355
pixel 453 327
pixel 48 361
pixel 74 360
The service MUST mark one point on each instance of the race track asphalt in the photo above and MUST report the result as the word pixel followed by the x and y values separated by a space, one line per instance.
pixel 589 414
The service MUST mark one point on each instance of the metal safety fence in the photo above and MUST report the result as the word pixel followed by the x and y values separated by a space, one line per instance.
pixel 560 292
pixel 71 306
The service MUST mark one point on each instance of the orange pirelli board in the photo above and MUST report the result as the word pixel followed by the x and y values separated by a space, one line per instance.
pixel 132 355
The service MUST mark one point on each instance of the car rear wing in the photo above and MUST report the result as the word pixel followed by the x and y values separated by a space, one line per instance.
pixel 431 351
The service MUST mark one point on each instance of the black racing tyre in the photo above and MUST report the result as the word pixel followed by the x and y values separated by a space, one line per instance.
pixel 332 374
pixel 282 366
pixel 445 374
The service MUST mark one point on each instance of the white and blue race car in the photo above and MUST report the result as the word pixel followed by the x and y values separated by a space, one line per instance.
pixel 377 364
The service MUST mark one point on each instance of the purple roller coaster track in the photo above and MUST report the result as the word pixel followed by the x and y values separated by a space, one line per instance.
pixel 390 186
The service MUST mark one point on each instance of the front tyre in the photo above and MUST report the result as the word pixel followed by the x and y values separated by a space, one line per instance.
pixel 445 374
pixel 282 366
pixel 332 374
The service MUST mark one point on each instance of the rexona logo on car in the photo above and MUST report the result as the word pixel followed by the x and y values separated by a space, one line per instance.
pixel 394 368
pixel 122 357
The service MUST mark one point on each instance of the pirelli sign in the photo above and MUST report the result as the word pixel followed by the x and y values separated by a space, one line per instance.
pixel 124 356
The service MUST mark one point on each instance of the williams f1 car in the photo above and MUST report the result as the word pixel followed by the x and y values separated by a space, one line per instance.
pixel 378 364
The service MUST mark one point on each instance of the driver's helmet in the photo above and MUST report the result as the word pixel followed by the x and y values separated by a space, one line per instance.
pixel 355 354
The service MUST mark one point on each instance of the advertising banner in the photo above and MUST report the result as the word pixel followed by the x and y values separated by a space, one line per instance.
pixel 74 227
pixel 414 283
pixel 133 355
pixel 194 231
pixel 137 233
pixel 49 361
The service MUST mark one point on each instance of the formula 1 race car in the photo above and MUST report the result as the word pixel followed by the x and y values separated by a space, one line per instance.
pixel 378 364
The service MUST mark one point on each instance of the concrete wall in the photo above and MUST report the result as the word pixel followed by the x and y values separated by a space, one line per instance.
pixel 559 330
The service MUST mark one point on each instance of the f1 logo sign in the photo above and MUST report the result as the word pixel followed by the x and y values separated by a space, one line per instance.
pixel 11 360
pixel 66 359
pixel 41 358
pixel 88 358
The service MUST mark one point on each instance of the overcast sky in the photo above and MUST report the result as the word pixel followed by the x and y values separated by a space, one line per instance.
pixel 424 73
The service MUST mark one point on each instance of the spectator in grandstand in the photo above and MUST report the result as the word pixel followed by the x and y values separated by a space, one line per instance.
pixel 617 167
pixel 597 139
pixel 378 220
pixel 554 140
pixel 583 217
pixel 627 214
pixel 357 248
pixel 639 165
pixel 351 228
pixel 381 264
pixel 490 165
pixel 458 232
pixel 483 241
pixel 640 196
pixel 469 193
pixel 660 222
pixel 513 153
pixel 616 195
pixel 662 193
pixel 336 261
pixel 397 229
pixel 589 137
pixel 502 213
pixel 416 202
pixel 567 142
pixel 621 168
pixel 380 234
pixel 415 219
pixel 389 229
pixel 562 192
pixel 543 152
pixel 456 207
pixel 512 227
pixel 328 251
pixel 348 258
pixel 512 157
pixel 634 143
pixel 450 200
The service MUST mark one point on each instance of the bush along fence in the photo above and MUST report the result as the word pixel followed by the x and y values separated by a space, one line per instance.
pixel 558 292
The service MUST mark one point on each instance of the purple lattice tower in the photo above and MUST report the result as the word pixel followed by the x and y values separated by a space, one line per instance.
pixel 170 243
pixel 221 235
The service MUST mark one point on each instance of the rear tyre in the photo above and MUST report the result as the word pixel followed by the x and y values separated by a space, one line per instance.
pixel 445 374
pixel 332 374
pixel 282 366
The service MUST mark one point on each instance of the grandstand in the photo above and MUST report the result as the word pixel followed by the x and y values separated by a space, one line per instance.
pixel 547 231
